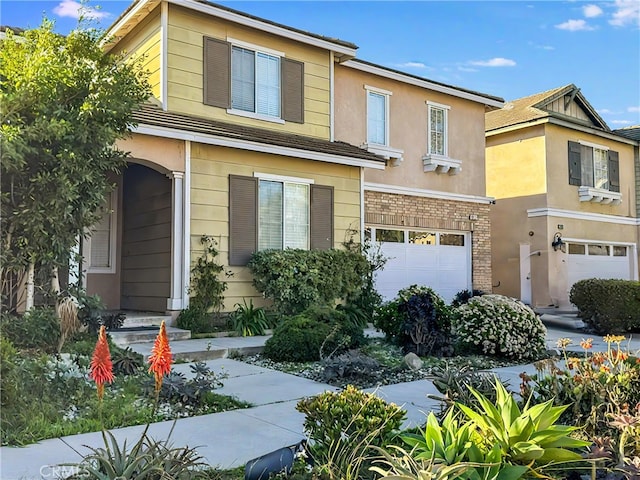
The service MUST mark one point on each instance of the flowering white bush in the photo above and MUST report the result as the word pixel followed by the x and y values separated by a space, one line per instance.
pixel 499 325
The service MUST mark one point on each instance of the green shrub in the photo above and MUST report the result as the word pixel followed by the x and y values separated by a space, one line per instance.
pixel 351 332
pixel 8 385
pixel 39 328
pixel 316 333
pixel 499 325
pixel 296 279
pixel 298 339
pixel 344 426
pixel 608 306
pixel 418 319
pixel 197 320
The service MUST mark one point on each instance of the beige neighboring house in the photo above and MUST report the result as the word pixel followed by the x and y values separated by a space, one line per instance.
pixel 429 208
pixel 565 190
pixel 237 144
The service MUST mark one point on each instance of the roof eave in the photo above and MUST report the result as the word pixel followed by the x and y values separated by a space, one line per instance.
pixel 424 83
pixel 130 18
pixel 223 141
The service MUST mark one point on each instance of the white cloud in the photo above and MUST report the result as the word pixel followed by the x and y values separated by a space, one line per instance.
pixel 494 62
pixel 467 69
pixel 633 109
pixel 605 111
pixel 627 13
pixel 574 25
pixel 74 9
pixel 621 122
pixel 591 11
pixel 412 65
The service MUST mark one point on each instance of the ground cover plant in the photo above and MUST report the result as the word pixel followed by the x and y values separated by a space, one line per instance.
pixel 603 391
pixel 46 396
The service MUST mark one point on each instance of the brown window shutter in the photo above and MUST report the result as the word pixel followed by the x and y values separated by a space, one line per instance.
pixel 321 217
pixel 614 172
pixel 217 72
pixel 243 221
pixel 292 90
pixel 575 175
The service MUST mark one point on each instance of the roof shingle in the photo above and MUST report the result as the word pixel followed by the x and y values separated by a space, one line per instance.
pixel 152 115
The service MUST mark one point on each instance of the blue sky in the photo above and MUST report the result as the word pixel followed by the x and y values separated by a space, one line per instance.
pixel 510 49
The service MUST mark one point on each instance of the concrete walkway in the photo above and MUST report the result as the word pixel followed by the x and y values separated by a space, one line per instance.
pixel 230 439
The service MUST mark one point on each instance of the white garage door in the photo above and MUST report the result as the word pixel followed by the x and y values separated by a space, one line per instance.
pixel 440 260
pixel 591 260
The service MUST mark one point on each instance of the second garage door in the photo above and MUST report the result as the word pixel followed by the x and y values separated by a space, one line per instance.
pixel 440 260
pixel 596 260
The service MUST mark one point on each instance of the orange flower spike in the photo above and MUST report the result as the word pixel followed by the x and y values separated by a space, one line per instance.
pixel 101 369
pixel 161 358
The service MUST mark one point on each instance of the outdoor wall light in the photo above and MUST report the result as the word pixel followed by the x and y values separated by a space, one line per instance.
pixel 557 242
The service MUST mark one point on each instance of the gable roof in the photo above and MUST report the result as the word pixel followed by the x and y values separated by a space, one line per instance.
pixel 140 8
pixel 538 106
pixel 215 132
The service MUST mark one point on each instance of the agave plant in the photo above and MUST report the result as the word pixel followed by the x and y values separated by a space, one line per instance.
pixel 454 443
pixel 524 437
pixel 147 460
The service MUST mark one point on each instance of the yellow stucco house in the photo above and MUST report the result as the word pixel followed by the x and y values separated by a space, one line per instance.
pixel 565 193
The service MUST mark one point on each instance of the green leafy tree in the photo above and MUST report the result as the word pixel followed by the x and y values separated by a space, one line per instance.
pixel 64 102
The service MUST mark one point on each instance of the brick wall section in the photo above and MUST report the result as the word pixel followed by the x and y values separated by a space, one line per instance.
pixel 409 211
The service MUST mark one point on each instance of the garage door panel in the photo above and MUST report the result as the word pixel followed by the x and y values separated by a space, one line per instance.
pixel 581 267
pixel 445 268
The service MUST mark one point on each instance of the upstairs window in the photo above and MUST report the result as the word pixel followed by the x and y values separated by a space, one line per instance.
pixel 594 166
pixel 255 82
pixel 377 106
pixel 252 81
pixel 437 129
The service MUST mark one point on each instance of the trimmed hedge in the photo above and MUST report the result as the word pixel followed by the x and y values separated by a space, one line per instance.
pixel 296 279
pixel 608 305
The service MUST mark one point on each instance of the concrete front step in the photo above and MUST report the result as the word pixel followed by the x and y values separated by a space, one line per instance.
pixel 145 319
pixel 202 349
pixel 126 337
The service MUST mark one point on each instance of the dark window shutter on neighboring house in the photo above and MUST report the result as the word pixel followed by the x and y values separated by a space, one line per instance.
pixel 574 164
pixel 321 217
pixel 614 171
pixel 292 90
pixel 243 221
pixel 217 73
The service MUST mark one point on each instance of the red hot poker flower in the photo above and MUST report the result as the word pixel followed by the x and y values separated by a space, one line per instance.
pixel 101 369
pixel 160 359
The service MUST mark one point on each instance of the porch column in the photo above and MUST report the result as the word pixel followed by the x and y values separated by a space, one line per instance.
pixel 176 301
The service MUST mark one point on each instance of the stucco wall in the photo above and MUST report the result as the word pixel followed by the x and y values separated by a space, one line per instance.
pixel 408 115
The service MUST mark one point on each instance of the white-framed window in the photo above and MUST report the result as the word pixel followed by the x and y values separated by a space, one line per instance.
pixel 438 129
pixel 283 212
pixel 377 116
pixel 255 81
pixel 100 245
